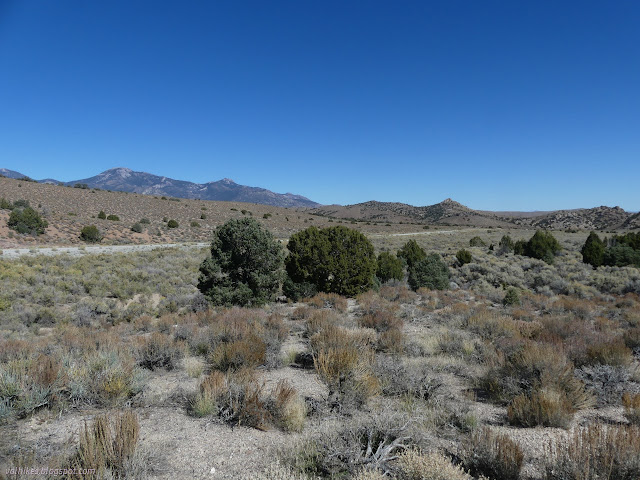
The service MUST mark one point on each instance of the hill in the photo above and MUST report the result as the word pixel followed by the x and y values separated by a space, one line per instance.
pixel 450 212
pixel 127 180
pixel 68 209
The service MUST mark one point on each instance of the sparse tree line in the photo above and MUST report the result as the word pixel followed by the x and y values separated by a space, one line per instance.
pixel 617 251
pixel 248 266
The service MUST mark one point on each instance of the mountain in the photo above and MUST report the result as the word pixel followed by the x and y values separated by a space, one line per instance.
pixel 5 172
pixel 126 180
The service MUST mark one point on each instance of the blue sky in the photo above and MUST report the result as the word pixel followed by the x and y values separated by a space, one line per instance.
pixel 499 105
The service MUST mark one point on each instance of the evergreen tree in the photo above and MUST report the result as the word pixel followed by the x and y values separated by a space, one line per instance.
pixel 411 253
pixel 464 256
pixel 27 220
pixel 389 266
pixel 430 272
pixel 593 250
pixel 245 266
pixel 335 259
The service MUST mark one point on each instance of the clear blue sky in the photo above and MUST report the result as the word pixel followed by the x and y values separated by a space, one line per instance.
pixel 516 105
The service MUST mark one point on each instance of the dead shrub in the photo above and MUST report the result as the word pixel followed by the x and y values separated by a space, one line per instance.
pixel 608 350
pixel 318 320
pixel 108 446
pixel 381 321
pixel 398 378
pixel 491 325
pixel 372 443
pixel 236 397
pixel 631 405
pixel 492 454
pixel 596 452
pixel 159 351
pixel 632 338
pixel 288 408
pixel 370 302
pixel 535 366
pixel 328 300
pixel 398 294
pixel 391 341
pixel 249 351
pixel 416 465
pixel 546 407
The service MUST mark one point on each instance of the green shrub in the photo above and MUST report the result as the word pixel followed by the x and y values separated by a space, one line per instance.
pixel 137 228
pixel 195 224
pixel 297 291
pixel 621 255
pixel 113 218
pixel 464 256
pixel 512 297
pixel 520 247
pixel 506 244
pixel 412 253
pixel 27 220
pixel 389 267
pixel 102 215
pixel 543 246
pixel 172 224
pixel 430 272
pixel 203 216
pixel 593 250
pixel 5 205
pixel 245 266
pixel 90 234
pixel 144 221
pixel 477 242
pixel 335 259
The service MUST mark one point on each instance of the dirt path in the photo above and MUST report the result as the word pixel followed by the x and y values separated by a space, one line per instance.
pixel 97 249
pixel 432 232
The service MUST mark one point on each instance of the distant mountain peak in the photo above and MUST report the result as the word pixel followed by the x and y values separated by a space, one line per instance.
pixel 127 180
pixel 120 171
pixel 448 202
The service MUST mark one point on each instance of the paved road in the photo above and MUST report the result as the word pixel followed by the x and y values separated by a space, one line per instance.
pixel 97 249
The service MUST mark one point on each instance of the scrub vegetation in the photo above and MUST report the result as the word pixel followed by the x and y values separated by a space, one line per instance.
pixel 445 356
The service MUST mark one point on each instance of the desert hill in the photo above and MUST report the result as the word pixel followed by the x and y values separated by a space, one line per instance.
pixel 450 212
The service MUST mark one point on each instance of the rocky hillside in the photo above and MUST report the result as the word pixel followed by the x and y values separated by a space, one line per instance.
pixel 449 212
pixel 599 218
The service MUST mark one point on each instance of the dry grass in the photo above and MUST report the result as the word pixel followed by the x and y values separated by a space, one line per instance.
pixel 416 465
pixel 631 405
pixel 493 455
pixel 289 408
pixel 108 446
pixel 596 452
pixel 547 407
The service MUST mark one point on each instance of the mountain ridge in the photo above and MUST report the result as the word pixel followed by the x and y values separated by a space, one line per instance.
pixel 124 179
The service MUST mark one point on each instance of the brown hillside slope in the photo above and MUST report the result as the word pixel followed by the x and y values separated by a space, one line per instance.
pixel 69 209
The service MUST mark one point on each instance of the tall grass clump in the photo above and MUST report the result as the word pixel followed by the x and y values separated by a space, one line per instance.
pixel 596 452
